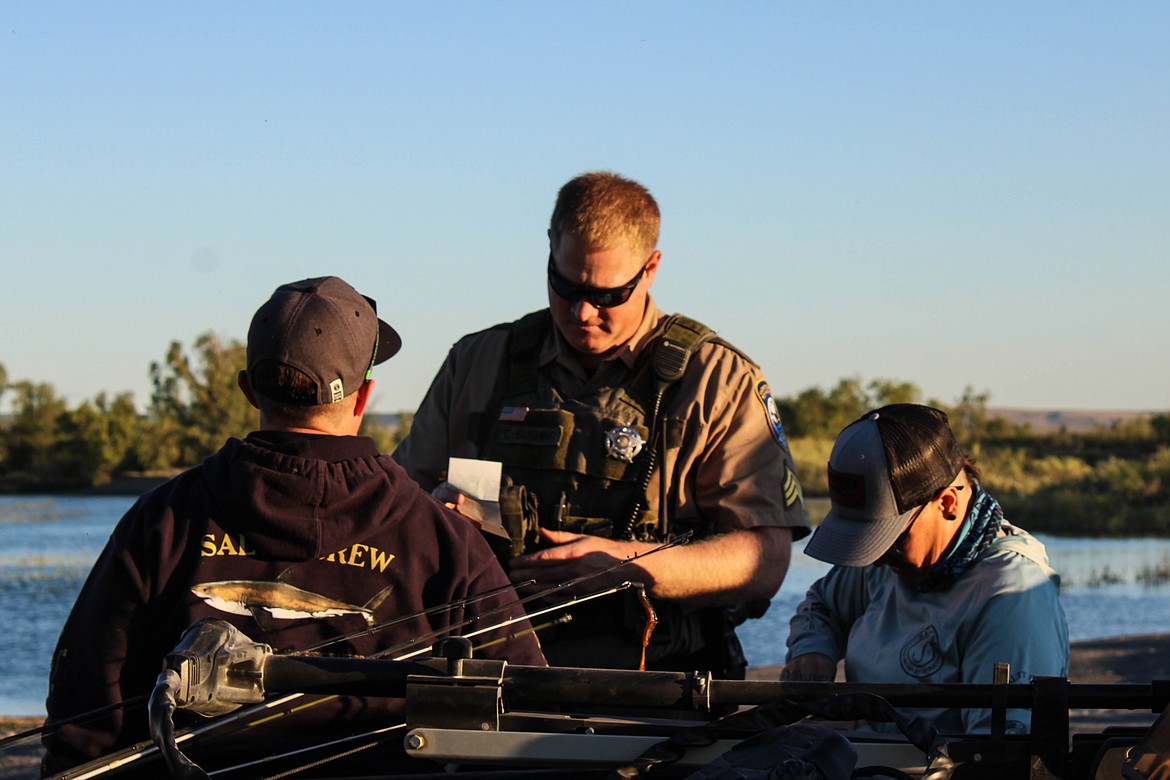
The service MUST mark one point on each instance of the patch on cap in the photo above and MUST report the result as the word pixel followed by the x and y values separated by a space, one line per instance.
pixel 847 490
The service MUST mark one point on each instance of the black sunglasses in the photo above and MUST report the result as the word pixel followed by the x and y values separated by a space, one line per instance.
pixel 601 297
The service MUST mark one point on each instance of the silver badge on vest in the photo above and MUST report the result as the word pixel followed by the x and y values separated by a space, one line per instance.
pixel 623 443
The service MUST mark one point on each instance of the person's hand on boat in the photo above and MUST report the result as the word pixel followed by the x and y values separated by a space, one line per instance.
pixel 573 555
pixel 810 667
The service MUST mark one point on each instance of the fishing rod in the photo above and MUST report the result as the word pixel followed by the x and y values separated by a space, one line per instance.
pixel 672 541
pixel 212 634
pixel 14 740
pixel 321 762
pixel 380 732
pixel 551 590
pixel 559 620
pixel 357 737
pixel 222 725
pixel 90 715
pixel 440 703
pixel 371 630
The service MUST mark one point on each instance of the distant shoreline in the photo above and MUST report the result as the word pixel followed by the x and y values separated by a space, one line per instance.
pixel 124 485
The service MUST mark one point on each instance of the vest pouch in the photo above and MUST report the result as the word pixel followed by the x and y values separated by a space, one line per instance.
pixel 518 513
pixel 590 526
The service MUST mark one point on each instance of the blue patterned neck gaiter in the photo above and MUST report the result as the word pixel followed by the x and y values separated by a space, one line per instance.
pixel 981 526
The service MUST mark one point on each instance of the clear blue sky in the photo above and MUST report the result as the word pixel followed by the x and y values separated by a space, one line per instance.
pixel 949 193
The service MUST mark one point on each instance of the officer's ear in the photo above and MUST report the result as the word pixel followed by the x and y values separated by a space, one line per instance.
pixel 652 267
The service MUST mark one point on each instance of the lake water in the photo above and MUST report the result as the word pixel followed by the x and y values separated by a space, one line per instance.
pixel 48 543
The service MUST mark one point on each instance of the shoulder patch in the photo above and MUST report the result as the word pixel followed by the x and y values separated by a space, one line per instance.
pixel 771 411
pixel 793 492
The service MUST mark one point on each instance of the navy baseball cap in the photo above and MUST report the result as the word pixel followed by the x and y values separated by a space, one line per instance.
pixel 883 466
pixel 326 330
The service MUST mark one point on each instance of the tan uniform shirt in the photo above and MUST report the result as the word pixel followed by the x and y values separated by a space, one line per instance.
pixel 733 467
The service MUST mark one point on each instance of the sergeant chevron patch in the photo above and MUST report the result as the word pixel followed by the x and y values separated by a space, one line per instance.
pixel 793 492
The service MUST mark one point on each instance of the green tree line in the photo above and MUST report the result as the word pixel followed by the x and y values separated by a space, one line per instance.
pixel 194 407
pixel 1108 481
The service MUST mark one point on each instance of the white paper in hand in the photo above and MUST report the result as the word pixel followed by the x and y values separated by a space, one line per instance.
pixel 479 482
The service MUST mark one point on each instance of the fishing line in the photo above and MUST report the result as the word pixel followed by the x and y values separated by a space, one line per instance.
pixel 371 630
pixel 321 762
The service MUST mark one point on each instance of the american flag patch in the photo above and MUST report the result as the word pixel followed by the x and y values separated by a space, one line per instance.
pixel 513 413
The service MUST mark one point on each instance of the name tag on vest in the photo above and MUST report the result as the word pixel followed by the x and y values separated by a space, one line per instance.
pixel 540 436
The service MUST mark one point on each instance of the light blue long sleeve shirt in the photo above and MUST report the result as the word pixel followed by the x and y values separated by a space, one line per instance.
pixel 1004 608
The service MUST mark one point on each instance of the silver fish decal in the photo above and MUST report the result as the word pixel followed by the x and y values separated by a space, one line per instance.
pixel 279 600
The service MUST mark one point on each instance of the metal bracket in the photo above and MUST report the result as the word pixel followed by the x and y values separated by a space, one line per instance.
pixel 468 696
pixel 1000 678
pixel 701 691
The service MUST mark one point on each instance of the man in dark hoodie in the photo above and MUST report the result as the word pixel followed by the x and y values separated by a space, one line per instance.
pixel 299 534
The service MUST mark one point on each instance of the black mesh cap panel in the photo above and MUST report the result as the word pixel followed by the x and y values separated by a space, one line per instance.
pixel 922 453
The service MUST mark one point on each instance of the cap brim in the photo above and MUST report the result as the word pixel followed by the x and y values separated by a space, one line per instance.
pixel 389 342
pixel 844 542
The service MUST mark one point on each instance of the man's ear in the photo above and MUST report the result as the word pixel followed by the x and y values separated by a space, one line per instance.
pixel 246 388
pixel 952 502
pixel 652 266
pixel 364 393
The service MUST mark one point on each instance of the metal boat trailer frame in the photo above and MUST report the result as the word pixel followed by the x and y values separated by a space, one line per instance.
pixel 473 715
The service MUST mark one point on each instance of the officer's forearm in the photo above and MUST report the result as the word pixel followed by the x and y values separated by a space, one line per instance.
pixel 722 570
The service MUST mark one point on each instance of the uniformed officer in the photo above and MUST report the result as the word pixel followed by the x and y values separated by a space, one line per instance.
pixel 618 427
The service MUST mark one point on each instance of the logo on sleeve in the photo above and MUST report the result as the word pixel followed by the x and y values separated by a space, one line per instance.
pixel 771 411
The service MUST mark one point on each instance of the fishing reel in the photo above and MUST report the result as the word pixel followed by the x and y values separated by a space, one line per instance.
pixel 213 670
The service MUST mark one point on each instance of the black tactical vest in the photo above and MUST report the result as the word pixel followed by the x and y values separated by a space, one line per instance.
pixel 582 464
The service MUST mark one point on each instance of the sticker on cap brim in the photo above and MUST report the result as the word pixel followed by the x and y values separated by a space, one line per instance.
pixel 771 411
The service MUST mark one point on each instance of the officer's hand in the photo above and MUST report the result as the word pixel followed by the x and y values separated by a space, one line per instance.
pixel 450 495
pixel 574 555
pixel 810 667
